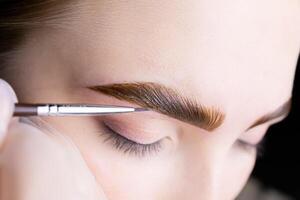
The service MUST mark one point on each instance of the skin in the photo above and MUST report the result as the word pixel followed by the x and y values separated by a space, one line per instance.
pixel 238 56
pixel 55 171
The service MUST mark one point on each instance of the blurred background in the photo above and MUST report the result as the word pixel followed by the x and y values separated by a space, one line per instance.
pixel 276 174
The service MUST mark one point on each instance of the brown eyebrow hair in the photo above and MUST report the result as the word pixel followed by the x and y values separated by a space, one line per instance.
pixel 166 101
pixel 170 102
pixel 283 110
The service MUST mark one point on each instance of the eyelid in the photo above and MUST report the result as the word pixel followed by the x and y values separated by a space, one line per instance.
pixel 140 129
pixel 253 137
pixel 128 146
pixel 136 135
pixel 113 130
pixel 264 127
pixel 243 142
pixel 118 129
pixel 259 147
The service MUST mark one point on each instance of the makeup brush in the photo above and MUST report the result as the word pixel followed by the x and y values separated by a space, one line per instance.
pixel 24 109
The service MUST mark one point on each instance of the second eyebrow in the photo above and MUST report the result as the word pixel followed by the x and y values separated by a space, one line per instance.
pixel 166 101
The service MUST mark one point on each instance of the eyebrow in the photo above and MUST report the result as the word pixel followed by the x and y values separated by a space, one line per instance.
pixel 171 102
pixel 165 100
pixel 282 110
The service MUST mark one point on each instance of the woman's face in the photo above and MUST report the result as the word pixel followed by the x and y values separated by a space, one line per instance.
pixel 235 58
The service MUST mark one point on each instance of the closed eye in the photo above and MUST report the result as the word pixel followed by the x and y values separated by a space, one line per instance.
pixel 259 147
pixel 128 146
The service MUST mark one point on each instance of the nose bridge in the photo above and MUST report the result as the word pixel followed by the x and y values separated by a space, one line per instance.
pixel 203 173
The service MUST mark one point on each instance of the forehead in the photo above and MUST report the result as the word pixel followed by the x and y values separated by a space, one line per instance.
pixel 242 51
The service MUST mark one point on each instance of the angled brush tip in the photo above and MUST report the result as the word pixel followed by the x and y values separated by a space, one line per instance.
pixel 141 109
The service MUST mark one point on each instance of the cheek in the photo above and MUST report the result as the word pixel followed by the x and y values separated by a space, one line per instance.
pixel 123 177
pixel 120 176
pixel 159 177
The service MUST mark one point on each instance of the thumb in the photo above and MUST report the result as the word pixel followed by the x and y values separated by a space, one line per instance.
pixel 7 100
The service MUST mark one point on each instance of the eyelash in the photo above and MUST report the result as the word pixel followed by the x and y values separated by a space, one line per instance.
pixel 128 146
pixel 259 148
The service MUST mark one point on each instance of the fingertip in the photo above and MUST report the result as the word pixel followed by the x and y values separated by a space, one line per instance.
pixel 7 100
pixel 8 91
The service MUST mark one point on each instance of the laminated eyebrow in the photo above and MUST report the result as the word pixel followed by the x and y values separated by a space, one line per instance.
pixel 166 101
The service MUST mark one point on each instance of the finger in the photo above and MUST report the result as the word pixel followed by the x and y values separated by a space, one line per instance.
pixel 47 159
pixel 7 100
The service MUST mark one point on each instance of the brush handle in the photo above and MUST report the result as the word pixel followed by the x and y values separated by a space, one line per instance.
pixel 25 110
